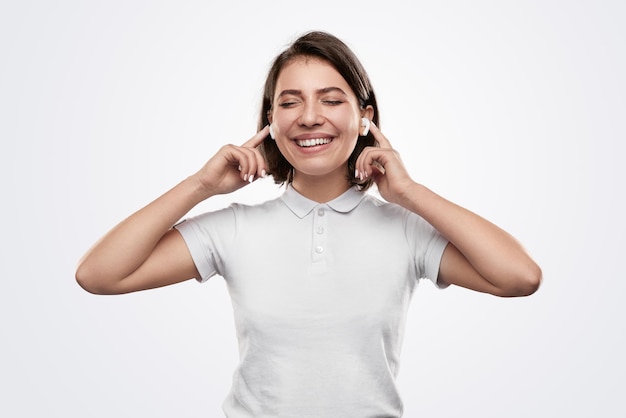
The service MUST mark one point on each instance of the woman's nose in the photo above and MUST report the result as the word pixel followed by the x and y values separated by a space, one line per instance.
pixel 311 115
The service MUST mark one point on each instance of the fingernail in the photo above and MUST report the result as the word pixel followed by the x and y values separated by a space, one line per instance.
pixel 263 173
pixel 239 168
pixel 245 177
pixel 251 178
pixel 356 174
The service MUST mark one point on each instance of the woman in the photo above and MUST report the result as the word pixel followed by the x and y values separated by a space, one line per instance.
pixel 320 278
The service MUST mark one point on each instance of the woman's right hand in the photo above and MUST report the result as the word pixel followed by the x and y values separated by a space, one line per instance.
pixel 233 167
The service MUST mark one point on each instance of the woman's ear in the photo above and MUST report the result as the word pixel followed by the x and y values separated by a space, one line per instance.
pixel 366 117
pixel 365 126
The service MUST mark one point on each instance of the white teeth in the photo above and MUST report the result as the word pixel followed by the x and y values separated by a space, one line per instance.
pixel 312 142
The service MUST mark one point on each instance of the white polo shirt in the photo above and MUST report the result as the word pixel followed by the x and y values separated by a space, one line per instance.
pixel 320 294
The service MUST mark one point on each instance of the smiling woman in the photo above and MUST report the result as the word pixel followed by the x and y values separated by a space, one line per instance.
pixel 319 310
pixel 316 122
pixel 318 49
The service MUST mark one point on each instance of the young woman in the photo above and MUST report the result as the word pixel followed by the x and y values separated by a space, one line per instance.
pixel 320 278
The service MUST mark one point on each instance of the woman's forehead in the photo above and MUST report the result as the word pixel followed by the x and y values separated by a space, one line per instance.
pixel 310 73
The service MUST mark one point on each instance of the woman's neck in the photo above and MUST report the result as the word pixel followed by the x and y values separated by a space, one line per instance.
pixel 320 189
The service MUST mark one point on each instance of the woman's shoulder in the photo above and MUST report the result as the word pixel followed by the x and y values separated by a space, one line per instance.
pixel 236 209
pixel 376 202
pixel 390 212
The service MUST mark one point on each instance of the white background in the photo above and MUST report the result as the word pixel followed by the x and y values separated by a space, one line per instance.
pixel 514 109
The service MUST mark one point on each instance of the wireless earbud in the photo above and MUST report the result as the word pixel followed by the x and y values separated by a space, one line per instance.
pixel 272 131
pixel 365 124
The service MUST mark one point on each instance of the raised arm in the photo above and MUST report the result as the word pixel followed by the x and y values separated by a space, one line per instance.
pixel 480 256
pixel 144 251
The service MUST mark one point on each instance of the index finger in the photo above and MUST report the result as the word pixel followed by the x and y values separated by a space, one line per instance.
pixel 378 135
pixel 257 139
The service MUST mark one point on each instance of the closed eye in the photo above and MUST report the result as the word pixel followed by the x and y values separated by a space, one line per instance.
pixel 287 104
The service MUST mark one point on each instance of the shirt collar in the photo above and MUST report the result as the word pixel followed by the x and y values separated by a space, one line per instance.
pixel 302 206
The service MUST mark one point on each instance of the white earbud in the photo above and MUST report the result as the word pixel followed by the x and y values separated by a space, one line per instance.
pixel 365 124
pixel 272 131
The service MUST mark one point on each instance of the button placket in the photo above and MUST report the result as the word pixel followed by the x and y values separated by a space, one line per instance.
pixel 319 234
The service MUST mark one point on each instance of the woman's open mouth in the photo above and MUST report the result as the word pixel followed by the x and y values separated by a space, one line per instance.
pixel 313 142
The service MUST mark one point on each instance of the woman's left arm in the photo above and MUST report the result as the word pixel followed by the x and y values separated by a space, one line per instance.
pixel 480 255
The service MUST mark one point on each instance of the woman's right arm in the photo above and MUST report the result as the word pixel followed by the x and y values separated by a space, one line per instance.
pixel 144 251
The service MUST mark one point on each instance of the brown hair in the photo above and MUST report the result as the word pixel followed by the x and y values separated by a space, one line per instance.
pixel 329 48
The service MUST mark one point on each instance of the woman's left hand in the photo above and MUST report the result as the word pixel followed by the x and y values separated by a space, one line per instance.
pixel 384 166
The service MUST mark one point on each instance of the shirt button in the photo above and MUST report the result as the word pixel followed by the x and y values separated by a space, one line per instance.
pixel 320 229
pixel 320 212
pixel 319 249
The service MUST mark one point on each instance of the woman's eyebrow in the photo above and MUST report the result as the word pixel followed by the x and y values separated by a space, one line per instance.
pixel 331 89
pixel 292 92
pixel 318 91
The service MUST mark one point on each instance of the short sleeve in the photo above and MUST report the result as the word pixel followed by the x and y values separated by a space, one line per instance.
pixel 427 245
pixel 207 235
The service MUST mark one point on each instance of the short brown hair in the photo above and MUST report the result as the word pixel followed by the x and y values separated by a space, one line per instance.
pixel 330 49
